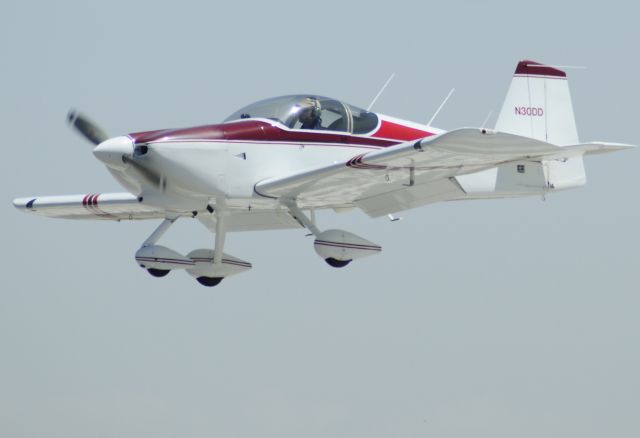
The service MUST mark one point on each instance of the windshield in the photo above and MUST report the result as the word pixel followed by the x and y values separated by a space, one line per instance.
pixel 310 112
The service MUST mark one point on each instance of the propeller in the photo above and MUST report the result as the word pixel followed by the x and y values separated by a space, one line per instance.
pixel 150 175
pixel 87 128
pixel 108 149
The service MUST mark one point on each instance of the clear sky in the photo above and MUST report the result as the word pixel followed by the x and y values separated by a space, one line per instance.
pixel 487 319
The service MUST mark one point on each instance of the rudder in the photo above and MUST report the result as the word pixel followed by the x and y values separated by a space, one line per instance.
pixel 538 105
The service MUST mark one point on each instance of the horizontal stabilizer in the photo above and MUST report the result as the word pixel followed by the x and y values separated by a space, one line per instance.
pixel 595 148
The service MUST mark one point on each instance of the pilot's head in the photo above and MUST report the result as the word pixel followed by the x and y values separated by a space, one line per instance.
pixel 309 110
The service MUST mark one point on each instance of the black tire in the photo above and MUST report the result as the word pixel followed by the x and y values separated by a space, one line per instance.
pixel 209 281
pixel 158 272
pixel 335 263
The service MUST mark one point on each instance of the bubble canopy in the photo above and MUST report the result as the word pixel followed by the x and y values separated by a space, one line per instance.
pixel 295 112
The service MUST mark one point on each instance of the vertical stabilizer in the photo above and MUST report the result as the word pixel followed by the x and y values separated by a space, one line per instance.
pixel 538 105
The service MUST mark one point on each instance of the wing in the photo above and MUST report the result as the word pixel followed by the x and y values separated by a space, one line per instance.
pixel 415 173
pixel 105 206
pixel 125 206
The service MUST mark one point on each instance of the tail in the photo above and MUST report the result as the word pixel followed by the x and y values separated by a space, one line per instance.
pixel 538 105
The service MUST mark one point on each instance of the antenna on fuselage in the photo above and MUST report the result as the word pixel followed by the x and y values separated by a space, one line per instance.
pixel 486 119
pixel 440 107
pixel 381 90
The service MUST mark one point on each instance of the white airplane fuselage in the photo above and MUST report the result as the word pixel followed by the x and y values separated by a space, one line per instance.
pixel 227 160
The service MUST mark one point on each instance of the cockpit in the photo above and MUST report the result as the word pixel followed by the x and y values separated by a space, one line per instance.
pixel 310 112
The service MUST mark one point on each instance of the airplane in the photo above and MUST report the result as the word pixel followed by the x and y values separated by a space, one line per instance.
pixel 274 163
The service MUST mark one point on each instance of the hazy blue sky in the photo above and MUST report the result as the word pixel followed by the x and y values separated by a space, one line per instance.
pixel 480 319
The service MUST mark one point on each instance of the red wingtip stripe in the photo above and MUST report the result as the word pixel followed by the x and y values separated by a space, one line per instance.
pixel 533 68
pixel 90 202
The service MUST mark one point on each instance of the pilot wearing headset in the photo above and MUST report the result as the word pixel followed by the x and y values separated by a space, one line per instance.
pixel 309 113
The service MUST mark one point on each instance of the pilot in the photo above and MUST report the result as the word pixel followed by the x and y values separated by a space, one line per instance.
pixel 309 113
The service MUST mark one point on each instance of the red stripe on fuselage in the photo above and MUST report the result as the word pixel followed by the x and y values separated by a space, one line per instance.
pixel 399 132
pixel 256 130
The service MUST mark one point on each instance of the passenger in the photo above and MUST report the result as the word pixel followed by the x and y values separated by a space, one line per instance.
pixel 309 114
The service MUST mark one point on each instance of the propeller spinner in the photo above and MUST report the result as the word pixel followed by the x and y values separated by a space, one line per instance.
pixel 117 152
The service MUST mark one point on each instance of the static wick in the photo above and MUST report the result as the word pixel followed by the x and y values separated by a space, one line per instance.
pixel 570 67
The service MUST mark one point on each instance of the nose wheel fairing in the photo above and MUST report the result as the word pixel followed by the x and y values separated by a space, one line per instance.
pixel 205 265
pixel 208 267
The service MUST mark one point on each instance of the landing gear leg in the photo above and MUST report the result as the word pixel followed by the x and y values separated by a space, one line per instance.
pixel 303 219
pixel 310 224
pixel 159 232
pixel 153 238
pixel 221 233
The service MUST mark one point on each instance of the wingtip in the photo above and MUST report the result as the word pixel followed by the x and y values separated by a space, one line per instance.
pixel 599 147
pixel 23 203
pixel 612 147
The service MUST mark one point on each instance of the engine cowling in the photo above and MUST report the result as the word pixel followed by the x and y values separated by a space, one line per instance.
pixel 338 247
